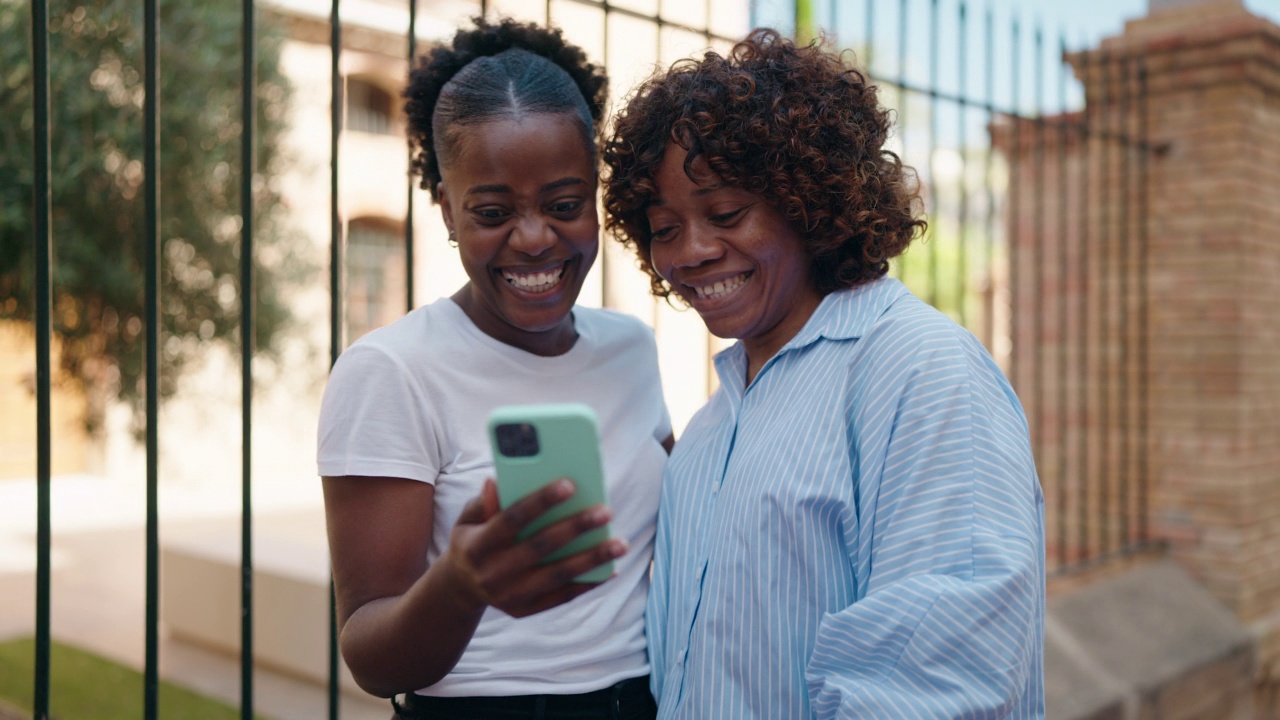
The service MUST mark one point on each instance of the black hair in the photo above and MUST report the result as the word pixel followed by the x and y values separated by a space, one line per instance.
pixel 792 123
pixel 497 70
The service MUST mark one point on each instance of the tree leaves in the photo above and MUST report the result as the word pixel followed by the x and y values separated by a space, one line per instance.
pixel 99 229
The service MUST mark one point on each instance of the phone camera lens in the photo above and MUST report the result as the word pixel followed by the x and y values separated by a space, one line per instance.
pixel 517 439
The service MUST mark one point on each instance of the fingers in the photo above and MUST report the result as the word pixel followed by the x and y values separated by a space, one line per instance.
pixel 527 509
pixel 489 495
pixel 554 584
pixel 507 561
pixel 513 575
pixel 507 524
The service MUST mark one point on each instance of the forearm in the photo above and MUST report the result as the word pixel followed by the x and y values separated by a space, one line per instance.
pixel 411 641
pixel 935 645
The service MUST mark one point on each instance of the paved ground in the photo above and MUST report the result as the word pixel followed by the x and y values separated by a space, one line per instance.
pixel 98 585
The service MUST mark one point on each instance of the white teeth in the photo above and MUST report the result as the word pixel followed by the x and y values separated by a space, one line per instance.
pixel 722 287
pixel 535 282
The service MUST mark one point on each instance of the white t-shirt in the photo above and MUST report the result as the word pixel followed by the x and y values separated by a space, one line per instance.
pixel 412 399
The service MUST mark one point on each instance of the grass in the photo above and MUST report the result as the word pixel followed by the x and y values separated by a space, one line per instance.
pixel 84 685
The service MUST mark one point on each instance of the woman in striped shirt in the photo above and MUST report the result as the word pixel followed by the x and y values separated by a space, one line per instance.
pixel 852 526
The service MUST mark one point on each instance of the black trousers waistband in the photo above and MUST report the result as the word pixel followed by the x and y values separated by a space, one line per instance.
pixel 627 700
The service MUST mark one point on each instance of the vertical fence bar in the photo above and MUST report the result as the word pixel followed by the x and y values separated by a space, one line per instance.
pixel 335 289
pixel 902 72
pixel 1011 243
pixel 903 259
pixel 1122 299
pixel 1144 365
pixel 1038 324
pixel 409 271
pixel 1064 151
pixel 989 259
pixel 606 287
pixel 933 151
pixel 868 32
pixel 151 240
pixel 1105 268
pixel 248 108
pixel 1086 163
pixel 655 312
pixel 42 239
pixel 962 265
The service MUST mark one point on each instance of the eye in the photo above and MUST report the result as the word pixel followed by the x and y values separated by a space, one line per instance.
pixel 566 207
pixel 730 217
pixel 490 214
pixel 662 234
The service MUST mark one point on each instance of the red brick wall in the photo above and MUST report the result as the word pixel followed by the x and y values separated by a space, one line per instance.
pixel 1213 228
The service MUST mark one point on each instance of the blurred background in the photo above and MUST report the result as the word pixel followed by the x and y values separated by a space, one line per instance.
pixel 1100 180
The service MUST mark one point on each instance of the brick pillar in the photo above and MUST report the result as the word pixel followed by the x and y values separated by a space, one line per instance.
pixel 1213 83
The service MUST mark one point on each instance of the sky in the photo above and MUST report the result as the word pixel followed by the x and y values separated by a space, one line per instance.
pixel 1086 18
pixel 1002 72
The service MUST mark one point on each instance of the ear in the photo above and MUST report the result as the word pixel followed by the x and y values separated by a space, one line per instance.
pixel 446 209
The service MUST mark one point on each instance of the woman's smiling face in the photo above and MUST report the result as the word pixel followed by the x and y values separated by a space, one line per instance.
pixel 731 255
pixel 520 195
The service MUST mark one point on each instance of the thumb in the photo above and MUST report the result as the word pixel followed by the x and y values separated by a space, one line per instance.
pixel 481 507
pixel 489 496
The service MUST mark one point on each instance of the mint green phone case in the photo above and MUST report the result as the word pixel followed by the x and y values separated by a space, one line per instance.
pixel 568 439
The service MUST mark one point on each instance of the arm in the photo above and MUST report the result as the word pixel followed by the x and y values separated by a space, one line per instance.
pixel 404 625
pixel 947 556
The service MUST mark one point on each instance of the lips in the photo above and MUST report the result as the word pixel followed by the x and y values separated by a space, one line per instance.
pixel 719 288
pixel 535 281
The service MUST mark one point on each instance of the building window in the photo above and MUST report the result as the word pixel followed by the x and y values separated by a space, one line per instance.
pixel 368 107
pixel 375 275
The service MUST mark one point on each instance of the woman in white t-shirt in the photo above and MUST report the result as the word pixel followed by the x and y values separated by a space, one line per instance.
pixel 436 598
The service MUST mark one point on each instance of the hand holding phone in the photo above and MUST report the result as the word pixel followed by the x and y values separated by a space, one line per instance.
pixel 534 445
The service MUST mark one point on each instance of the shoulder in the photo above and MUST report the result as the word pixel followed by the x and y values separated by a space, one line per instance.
pixel 912 349
pixel 416 337
pixel 912 333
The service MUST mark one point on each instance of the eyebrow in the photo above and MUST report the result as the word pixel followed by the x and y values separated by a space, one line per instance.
pixel 553 185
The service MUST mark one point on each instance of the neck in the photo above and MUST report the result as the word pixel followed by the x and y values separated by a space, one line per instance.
pixel 551 342
pixel 762 347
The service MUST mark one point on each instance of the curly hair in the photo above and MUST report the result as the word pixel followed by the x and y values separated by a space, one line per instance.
pixel 791 123
pixel 496 70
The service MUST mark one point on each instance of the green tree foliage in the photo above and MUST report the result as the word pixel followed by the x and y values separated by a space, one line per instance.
pixel 98 203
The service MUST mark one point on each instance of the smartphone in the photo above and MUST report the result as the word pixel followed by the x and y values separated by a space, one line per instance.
pixel 534 445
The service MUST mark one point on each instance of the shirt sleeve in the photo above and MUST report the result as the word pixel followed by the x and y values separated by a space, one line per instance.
pixel 948 551
pixel 375 421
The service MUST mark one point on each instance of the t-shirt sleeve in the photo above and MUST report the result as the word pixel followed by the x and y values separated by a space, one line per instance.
pixel 376 421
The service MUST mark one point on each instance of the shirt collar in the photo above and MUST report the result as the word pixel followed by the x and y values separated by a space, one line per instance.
pixel 848 314
pixel 842 315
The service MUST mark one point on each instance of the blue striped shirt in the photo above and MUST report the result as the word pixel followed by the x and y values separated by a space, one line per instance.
pixel 858 534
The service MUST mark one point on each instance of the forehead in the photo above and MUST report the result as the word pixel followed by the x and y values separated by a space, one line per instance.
pixel 673 181
pixel 506 150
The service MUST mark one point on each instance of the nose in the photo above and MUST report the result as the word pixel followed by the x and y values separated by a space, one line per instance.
pixel 532 236
pixel 696 246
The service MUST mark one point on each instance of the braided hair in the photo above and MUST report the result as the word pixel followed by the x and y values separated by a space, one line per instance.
pixel 497 70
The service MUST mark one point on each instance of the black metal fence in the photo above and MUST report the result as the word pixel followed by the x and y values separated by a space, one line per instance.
pixel 1037 242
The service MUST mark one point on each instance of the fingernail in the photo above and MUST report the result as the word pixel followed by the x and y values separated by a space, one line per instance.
pixel 618 548
pixel 598 515
pixel 563 487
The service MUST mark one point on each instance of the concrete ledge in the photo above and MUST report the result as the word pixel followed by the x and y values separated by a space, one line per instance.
pixel 200 600
pixel 1147 643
